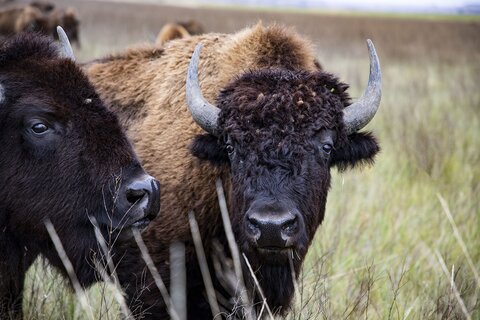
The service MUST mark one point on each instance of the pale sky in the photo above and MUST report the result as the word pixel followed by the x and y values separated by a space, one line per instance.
pixel 413 3
pixel 408 5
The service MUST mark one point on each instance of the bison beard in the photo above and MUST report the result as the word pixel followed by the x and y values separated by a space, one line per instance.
pixel 273 135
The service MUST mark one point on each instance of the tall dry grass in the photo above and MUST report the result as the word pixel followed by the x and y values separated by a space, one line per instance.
pixel 401 239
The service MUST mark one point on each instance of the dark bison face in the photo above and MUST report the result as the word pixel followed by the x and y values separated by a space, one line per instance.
pixel 64 156
pixel 281 131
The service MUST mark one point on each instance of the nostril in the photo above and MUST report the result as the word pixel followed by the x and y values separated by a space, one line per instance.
pixel 135 195
pixel 253 225
pixel 290 226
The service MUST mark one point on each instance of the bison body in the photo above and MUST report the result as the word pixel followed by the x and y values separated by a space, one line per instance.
pixel 64 159
pixel 275 131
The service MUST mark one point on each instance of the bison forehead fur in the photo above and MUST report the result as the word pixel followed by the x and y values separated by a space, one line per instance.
pixel 273 100
pixel 279 105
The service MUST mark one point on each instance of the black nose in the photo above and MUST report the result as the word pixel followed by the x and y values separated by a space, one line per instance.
pixel 272 230
pixel 142 198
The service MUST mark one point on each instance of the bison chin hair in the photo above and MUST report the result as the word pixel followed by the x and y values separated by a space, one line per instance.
pixel 275 271
pixel 277 283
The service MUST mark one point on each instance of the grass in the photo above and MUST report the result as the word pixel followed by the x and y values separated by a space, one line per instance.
pixel 387 248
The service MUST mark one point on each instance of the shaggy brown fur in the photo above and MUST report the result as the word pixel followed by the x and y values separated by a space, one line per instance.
pixel 153 81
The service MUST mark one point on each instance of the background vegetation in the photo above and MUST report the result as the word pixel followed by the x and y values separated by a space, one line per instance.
pixel 401 240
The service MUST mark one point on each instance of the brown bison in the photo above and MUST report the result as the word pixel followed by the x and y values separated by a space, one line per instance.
pixel 64 159
pixel 262 117
pixel 179 30
pixel 26 18
pixel 40 17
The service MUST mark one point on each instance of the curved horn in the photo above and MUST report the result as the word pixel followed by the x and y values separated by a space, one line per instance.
pixel 204 113
pixel 65 45
pixel 359 113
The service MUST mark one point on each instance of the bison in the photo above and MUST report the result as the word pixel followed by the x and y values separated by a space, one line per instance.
pixel 179 30
pixel 26 18
pixel 44 6
pixel 64 159
pixel 40 17
pixel 262 117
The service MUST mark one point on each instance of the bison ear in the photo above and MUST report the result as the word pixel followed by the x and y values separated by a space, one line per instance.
pixel 207 147
pixel 359 149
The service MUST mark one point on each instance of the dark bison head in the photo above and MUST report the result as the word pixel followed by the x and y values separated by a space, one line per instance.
pixel 281 131
pixel 63 157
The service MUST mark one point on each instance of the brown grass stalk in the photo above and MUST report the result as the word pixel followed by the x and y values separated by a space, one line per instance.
pixel 246 301
pixel 113 278
pixel 202 260
pixel 155 274
pixel 79 292
pixel 259 289
pixel 178 279
pixel 453 285
pixel 459 238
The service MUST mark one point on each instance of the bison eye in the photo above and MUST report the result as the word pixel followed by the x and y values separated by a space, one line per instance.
pixel 39 128
pixel 327 148
pixel 229 148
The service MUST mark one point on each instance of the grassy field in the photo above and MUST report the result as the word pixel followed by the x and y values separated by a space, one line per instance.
pixel 401 240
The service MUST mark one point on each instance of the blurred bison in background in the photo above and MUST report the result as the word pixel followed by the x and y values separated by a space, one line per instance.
pixel 64 159
pixel 45 7
pixel 41 17
pixel 26 18
pixel 179 30
pixel 276 126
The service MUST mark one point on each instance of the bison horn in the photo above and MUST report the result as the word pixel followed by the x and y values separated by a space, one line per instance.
pixel 204 113
pixel 66 47
pixel 358 114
